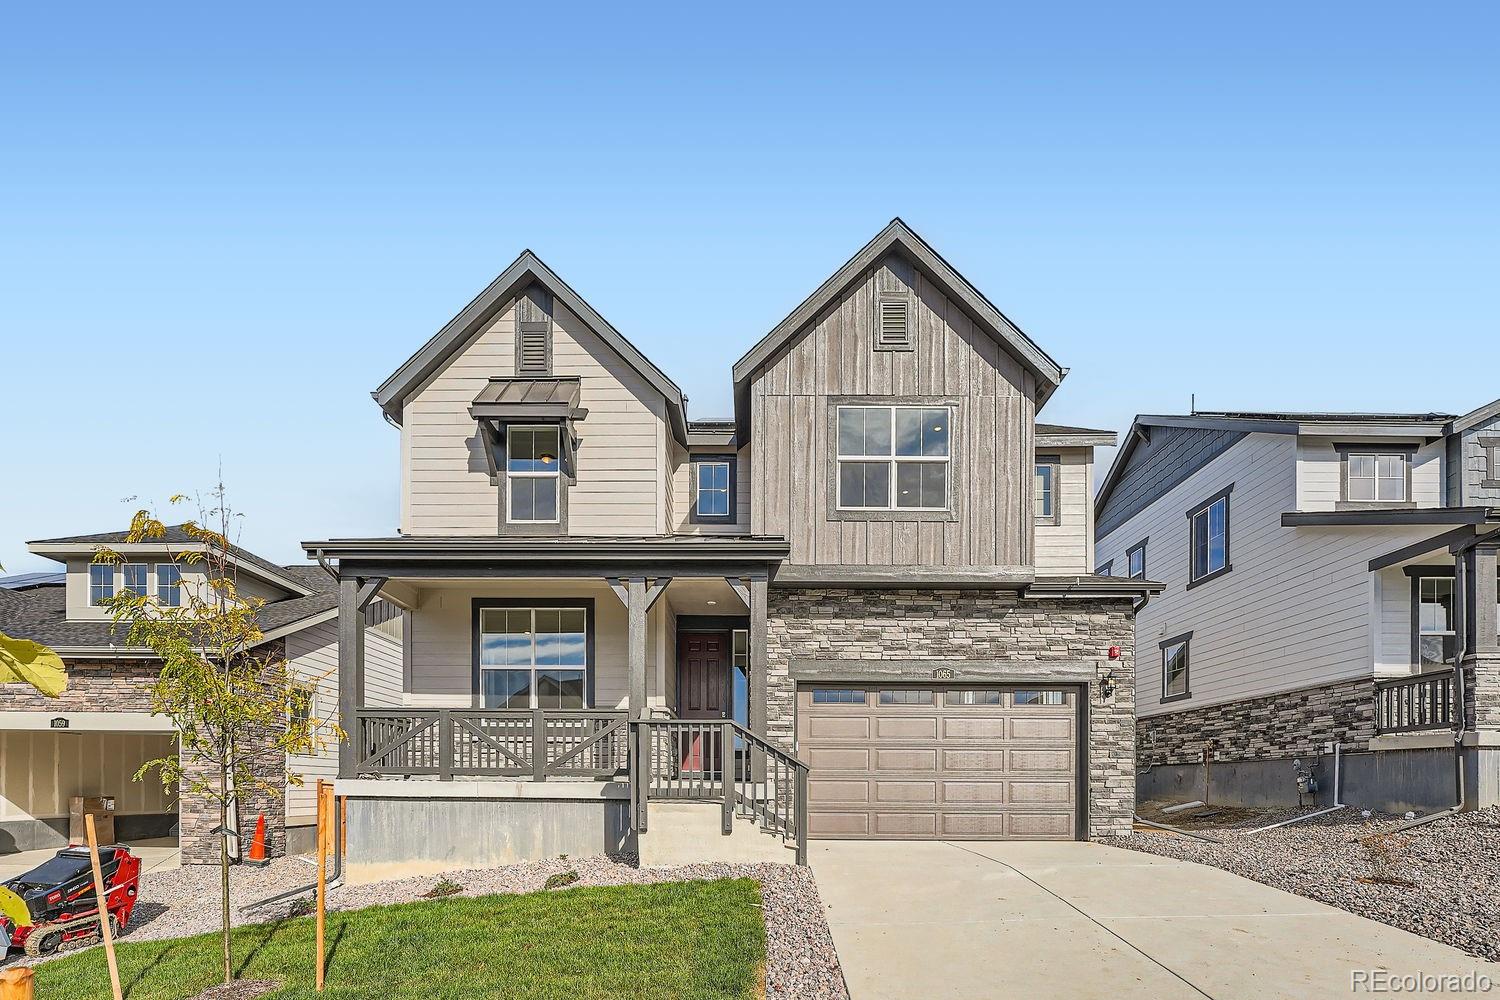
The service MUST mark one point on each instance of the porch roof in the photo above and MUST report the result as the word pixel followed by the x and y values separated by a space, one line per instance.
pixel 490 555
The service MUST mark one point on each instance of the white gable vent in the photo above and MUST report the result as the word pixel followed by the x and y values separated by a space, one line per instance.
pixel 893 330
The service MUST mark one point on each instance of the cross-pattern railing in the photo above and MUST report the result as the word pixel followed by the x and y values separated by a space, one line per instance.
pixel 1411 704
pixel 714 761
pixel 536 743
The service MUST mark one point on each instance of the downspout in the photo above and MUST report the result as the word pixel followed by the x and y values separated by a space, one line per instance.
pixel 335 878
pixel 1460 792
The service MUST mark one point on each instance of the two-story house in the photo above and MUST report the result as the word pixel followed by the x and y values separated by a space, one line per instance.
pixel 1330 579
pixel 93 739
pixel 862 607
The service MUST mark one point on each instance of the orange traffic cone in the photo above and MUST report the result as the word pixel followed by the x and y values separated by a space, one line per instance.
pixel 258 842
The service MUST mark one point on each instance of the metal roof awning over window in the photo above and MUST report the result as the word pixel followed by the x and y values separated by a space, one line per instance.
pixel 510 400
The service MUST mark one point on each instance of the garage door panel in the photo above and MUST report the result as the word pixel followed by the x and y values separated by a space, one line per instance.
pixel 895 824
pixel 907 728
pixel 836 792
pixel 837 758
pixel 965 763
pixel 906 791
pixel 1025 761
pixel 902 759
pixel 838 824
pixel 1032 791
pixel 838 728
pixel 974 792
pixel 969 727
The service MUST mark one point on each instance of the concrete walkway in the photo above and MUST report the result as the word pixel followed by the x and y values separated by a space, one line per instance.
pixel 156 856
pixel 1081 921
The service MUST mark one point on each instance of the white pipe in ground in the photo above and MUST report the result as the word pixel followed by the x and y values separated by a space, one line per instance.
pixel 1337 794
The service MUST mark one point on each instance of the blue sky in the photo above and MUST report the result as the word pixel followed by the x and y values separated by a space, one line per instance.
pixel 220 228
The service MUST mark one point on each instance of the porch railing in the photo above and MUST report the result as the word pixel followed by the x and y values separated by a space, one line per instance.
pixel 536 744
pixel 1412 704
pixel 713 761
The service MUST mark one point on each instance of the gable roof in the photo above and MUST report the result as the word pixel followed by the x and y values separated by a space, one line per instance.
pixel 174 535
pixel 899 236
pixel 526 269
pixel 1474 417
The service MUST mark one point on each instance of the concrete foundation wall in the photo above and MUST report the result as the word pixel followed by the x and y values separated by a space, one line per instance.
pixel 686 833
pixel 1397 781
pixel 389 837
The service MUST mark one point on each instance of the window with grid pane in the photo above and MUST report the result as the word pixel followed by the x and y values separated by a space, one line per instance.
pixel 169 585
pixel 893 457
pixel 533 657
pixel 713 497
pixel 532 474
pixel 133 578
pixel 1436 639
pixel 101 583
pixel 1377 478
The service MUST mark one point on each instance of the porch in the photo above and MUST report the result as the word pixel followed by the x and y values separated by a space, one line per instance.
pixel 587 678
pixel 1436 607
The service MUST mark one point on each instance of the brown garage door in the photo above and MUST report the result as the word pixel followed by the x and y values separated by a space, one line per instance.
pixel 951 762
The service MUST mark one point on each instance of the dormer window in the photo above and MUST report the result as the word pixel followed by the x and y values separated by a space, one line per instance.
pixel 101 583
pixel 533 463
pixel 1376 477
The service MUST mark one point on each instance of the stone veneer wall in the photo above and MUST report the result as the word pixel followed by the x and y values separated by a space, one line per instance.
pixel 1290 724
pixel 1482 691
pixel 125 686
pixel 947 625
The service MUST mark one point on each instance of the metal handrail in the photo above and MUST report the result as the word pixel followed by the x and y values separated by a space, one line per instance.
pixel 1417 703
pixel 719 761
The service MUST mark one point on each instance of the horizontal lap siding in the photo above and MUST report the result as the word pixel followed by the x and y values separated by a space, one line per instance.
pixel 793 459
pixel 442 642
pixel 1320 475
pixel 1296 609
pixel 621 466
pixel 680 499
pixel 1063 548
pixel 313 659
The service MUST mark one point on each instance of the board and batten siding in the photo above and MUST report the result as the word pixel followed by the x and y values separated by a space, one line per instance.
pixel 622 470
pixel 1320 474
pixel 1066 548
pixel 792 463
pixel 682 492
pixel 40 771
pixel 312 657
pixel 442 641
pixel 1298 608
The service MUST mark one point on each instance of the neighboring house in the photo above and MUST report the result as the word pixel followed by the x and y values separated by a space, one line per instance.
pixel 878 568
pixel 91 740
pixel 1331 578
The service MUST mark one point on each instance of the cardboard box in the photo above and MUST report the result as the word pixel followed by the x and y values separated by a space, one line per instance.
pixel 102 808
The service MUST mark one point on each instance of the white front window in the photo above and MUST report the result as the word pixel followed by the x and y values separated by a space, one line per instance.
pixel 133 577
pixel 531 475
pixel 101 583
pixel 1377 478
pixel 169 585
pixel 533 657
pixel 1435 636
pixel 893 457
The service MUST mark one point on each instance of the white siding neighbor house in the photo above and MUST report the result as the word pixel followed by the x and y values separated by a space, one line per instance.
pixel 1329 579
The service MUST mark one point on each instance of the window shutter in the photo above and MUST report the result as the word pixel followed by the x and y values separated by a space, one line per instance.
pixel 893 329
pixel 534 332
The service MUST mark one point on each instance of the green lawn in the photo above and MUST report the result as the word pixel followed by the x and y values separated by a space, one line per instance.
pixel 679 939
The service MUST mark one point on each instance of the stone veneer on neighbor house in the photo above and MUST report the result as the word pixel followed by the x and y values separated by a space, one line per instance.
pixel 949 625
pixel 1289 724
pixel 125 686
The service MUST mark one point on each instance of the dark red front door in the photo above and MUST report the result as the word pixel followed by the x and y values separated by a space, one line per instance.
pixel 704 691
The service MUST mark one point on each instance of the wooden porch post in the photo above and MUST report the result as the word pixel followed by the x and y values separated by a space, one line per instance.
pixel 758 683
pixel 355 594
pixel 351 672
pixel 1483 569
pixel 638 599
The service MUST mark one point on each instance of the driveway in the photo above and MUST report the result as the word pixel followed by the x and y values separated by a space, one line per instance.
pixel 156 856
pixel 940 920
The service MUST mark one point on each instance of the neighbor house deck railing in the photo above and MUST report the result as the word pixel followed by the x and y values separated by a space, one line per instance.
pixel 1412 704
pixel 714 761
pixel 452 742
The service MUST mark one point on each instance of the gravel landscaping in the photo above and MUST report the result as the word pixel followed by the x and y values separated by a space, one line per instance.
pixel 800 960
pixel 1441 880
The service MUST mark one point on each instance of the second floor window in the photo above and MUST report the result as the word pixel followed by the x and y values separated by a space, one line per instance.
pixel 893 457
pixel 1046 491
pixel 133 576
pixel 1209 539
pixel 1137 560
pixel 531 475
pixel 713 489
pixel 169 585
pixel 1377 478
pixel 101 583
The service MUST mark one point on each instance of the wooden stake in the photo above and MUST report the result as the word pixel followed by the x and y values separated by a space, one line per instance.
pixel 109 939
pixel 325 835
pixel 16 984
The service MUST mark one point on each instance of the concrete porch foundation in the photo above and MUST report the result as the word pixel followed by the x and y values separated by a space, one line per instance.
pixel 686 833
